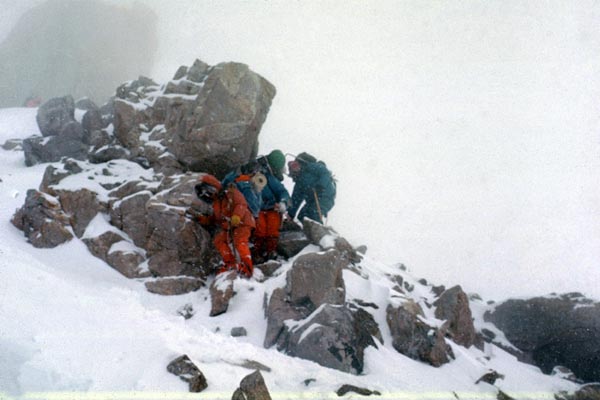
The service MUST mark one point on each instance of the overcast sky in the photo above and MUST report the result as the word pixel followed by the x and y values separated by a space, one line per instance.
pixel 465 135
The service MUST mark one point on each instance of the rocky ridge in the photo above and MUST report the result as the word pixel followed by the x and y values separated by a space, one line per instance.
pixel 129 205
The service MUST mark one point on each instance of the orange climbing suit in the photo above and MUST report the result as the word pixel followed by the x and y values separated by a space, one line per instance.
pixel 232 202
pixel 266 234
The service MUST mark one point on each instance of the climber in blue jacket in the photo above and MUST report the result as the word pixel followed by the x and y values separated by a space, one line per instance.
pixel 314 184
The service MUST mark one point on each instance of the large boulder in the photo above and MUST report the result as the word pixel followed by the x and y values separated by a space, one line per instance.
pixel 414 338
pixel 206 119
pixel 453 306
pixel 42 220
pixel 220 129
pixel 308 318
pixel 554 330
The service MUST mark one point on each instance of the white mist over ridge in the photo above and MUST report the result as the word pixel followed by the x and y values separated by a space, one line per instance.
pixel 463 135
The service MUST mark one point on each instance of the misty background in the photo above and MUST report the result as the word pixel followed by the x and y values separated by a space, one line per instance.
pixel 464 135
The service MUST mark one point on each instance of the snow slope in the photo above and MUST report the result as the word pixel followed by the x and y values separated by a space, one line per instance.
pixel 70 323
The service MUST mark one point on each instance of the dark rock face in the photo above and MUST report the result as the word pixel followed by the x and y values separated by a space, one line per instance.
pixel 453 306
pixel 42 220
pixel 63 47
pixel 187 371
pixel 554 331
pixel 414 338
pixel 252 387
pixel 327 330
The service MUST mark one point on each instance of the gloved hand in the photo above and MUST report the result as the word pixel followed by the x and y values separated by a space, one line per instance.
pixel 235 220
pixel 282 207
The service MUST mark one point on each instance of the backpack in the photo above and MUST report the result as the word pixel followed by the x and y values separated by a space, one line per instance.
pixel 243 184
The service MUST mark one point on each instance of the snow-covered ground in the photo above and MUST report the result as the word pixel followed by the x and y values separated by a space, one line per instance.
pixel 70 323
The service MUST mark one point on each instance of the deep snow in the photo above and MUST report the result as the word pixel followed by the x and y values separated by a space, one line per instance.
pixel 70 323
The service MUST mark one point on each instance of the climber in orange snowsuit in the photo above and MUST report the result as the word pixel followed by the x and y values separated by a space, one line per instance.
pixel 234 223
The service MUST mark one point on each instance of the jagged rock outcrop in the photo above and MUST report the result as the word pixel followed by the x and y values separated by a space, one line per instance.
pixel 149 232
pixel 555 330
pixel 252 387
pixel 453 306
pixel 414 338
pixel 42 220
pixel 188 372
pixel 327 330
pixel 206 119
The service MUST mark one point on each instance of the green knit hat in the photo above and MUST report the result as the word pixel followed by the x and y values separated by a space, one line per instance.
pixel 276 160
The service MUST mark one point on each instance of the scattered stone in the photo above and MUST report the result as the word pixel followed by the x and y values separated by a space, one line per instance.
pixel 239 331
pixel 13 144
pixel 309 381
pixel 187 371
pixel 221 291
pixel 252 387
pixel 186 311
pixel 174 286
pixel 490 377
pixel 351 388
pixel 255 365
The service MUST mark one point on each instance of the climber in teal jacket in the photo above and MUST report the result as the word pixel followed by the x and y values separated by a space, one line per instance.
pixel 314 184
